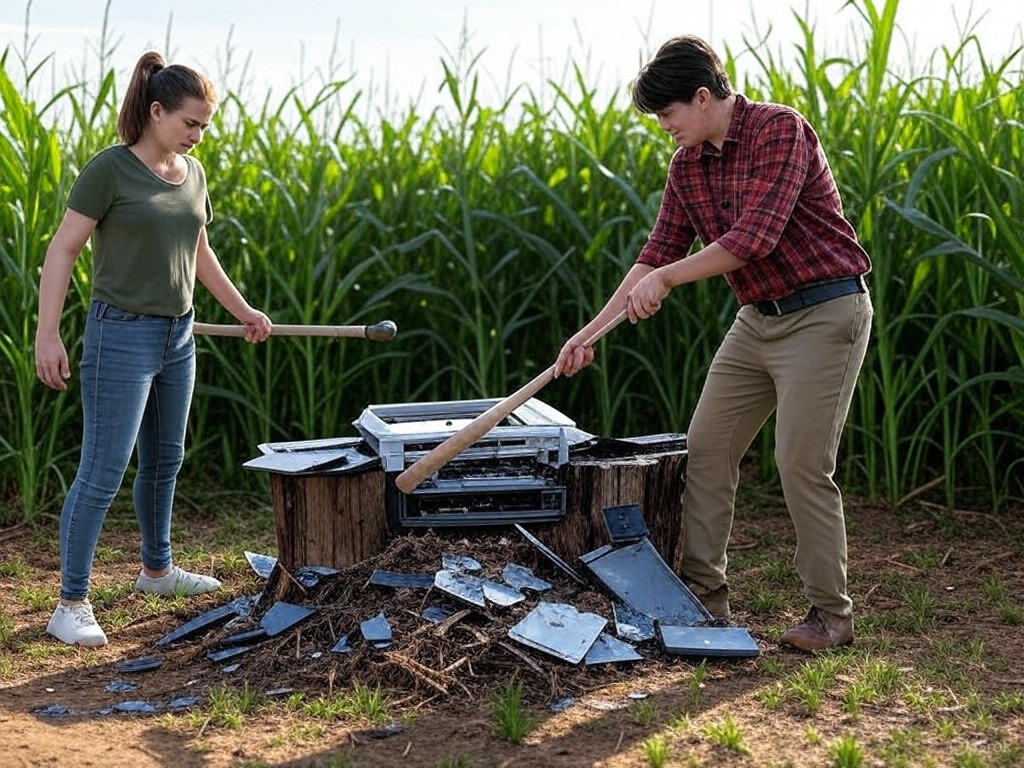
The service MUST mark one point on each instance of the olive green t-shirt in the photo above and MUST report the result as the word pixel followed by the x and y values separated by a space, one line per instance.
pixel 144 244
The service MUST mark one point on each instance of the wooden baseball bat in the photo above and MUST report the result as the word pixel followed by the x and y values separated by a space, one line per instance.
pixel 444 452
pixel 382 331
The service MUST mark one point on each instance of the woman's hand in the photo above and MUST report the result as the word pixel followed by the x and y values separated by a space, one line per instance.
pixel 52 366
pixel 257 325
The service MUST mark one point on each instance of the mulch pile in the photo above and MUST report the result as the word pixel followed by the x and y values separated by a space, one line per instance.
pixel 467 655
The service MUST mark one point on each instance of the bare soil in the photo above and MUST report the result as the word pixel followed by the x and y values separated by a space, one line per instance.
pixel 439 684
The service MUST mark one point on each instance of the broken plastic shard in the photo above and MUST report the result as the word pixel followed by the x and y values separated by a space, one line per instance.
pixel 246 638
pixel 521 577
pixel 141 664
pixel 263 565
pixel 559 562
pixel 310 575
pixel 281 616
pixel 560 630
pixel 462 586
pixel 136 707
pixel 223 654
pixel 120 686
pixel 460 563
pixel 501 594
pixel 280 691
pixel 184 702
pixel 231 668
pixel 344 645
pixel 624 523
pixel 562 704
pixel 638 576
pixel 397 579
pixel 376 631
pixel 435 614
pixel 609 650
pixel 632 625
pixel 708 641
pixel 52 710
pixel 204 622
pixel 382 733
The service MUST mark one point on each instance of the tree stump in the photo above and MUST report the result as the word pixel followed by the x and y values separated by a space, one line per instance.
pixel 334 520
pixel 654 482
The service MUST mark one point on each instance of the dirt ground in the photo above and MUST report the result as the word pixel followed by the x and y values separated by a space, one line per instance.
pixel 443 717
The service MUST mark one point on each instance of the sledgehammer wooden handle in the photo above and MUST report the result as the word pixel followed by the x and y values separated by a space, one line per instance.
pixel 382 331
pixel 444 452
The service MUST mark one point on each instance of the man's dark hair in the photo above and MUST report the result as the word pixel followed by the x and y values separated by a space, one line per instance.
pixel 680 67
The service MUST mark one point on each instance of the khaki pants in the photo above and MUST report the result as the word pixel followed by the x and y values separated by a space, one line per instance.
pixel 804 366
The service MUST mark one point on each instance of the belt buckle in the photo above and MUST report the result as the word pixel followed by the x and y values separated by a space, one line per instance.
pixel 776 307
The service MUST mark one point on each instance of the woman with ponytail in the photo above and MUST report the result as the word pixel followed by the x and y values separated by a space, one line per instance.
pixel 144 205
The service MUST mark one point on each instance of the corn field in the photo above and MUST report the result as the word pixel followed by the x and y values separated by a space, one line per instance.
pixel 491 232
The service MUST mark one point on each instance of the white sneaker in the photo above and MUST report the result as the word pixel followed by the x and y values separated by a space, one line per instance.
pixel 176 582
pixel 75 625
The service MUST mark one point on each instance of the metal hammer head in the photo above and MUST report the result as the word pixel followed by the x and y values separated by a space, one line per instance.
pixel 385 330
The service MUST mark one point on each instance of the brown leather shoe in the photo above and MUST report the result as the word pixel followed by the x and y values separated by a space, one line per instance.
pixel 715 600
pixel 818 631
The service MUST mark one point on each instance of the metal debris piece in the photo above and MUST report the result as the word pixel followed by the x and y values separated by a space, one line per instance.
pixel 610 650
pixel 632 625
pixel 460 563
pixel 141 664
pixel 344 644
pixel 521 577
pixel 461 586
pixel 263 565
pixel 501 594
pixel 240 606
pixel 397 579
pixel 281 616
pixel 231 668
pixel 223 654
pixel 435 614
pixel 136 707
pixel 708 641
pixel 376 631
pixel 564 566
pixel 638 576
pixel 624 523
pixel 120 686
pixel 331 455
pixel 560 630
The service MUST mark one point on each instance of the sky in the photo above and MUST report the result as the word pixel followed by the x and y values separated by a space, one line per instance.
pixel 392 49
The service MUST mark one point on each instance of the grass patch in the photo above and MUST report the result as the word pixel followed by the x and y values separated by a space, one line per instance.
pixel 511 721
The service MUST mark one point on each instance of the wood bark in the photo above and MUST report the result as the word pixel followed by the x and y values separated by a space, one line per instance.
pixel 332 519
pixel 654 482
pixel 340 519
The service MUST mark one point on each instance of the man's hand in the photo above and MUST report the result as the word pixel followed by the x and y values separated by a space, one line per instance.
pixel 646 297
pixel 574 355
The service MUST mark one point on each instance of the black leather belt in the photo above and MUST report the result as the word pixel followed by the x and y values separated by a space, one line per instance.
pixel 811 295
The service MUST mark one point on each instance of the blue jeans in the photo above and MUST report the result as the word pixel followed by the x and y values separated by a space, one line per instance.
pixel 137 375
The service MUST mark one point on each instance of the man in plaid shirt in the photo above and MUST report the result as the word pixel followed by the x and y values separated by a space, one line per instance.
pixel 750 182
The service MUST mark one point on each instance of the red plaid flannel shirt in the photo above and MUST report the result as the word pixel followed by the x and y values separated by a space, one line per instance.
pixel 768 196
